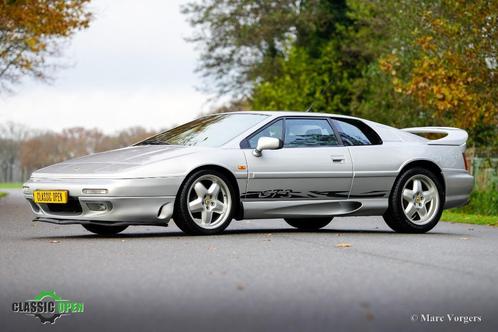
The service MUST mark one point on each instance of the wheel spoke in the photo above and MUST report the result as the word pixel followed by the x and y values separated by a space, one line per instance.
pixel 408 195
pixel 200 190
pixel 206 216
pixel 214 189
pixel 422 212
pixel 428 195
pixel 410 210
pixel 195 205
pixel 219 207
pixel 417 186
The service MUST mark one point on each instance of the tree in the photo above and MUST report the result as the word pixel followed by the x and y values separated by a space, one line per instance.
pixel 325 74
pixel 446 61
pixel 11 137
pixel 243 42
pixel 305 81
pixel 32 31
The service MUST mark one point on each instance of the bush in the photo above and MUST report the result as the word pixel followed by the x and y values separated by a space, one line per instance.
pixel 483 202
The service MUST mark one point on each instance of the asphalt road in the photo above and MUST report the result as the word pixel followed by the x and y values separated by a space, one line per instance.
pixel 258 276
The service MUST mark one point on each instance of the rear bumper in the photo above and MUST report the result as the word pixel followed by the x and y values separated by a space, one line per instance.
pixel 459 185
pixel 128 201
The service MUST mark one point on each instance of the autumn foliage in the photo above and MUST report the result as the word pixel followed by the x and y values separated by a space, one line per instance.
pixel 31 31
pixel 451 68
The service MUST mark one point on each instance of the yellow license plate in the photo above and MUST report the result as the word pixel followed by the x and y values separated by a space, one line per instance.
pixel 50 196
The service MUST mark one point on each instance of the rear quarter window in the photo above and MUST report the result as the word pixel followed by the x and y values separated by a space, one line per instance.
pixel 355 132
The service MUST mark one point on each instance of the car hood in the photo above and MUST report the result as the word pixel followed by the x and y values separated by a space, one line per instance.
pixel 114 163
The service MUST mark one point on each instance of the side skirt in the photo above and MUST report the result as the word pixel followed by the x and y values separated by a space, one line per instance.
pixel 259 209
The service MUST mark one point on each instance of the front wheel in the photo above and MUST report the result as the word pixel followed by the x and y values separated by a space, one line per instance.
pixel 104 230
pixel 309 224
pixel 416 202
pixel 205 203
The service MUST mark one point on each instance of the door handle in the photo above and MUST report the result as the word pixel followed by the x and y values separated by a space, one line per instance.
pixel 338 159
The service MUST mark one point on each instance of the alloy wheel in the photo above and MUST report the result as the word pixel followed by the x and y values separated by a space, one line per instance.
pixel 209 201
pixel 420 199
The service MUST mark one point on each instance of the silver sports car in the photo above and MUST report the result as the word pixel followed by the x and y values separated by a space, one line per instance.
pixel 303 167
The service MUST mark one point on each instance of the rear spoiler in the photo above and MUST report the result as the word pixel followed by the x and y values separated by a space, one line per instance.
pixel 454 136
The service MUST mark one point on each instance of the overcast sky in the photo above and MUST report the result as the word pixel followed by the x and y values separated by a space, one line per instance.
pixel 131 67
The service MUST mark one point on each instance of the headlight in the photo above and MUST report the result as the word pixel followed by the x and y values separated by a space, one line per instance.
pixel 95 191
pixel 26 190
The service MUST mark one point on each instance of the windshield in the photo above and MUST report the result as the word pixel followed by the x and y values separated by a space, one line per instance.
pixel 211 131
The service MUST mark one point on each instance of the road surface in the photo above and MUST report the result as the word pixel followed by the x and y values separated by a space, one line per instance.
pixel 258 276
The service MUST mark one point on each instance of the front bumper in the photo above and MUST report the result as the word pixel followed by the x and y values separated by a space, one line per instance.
pixel 147 201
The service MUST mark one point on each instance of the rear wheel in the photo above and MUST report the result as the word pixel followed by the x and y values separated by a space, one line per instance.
pixel 104 230
pixel 205 204
pixel 416 202
pixel 308 224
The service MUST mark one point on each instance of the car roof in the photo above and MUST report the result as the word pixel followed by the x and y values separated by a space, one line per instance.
pixel 292 113
pixel 386 133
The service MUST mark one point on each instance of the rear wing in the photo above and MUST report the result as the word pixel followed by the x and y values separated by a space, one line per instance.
pixel 454 136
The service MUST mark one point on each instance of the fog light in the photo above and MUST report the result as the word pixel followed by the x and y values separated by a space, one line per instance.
pixel 95 191
pixel 26 190
pixel 96 206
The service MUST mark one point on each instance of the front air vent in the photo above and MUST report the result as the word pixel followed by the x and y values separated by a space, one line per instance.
pixel 73 206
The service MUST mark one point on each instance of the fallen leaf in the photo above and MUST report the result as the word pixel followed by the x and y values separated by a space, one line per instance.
pixel 343 245
pixel 241 286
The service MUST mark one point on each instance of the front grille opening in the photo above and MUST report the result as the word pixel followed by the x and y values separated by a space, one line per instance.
pixel 34 206
pixel 73 206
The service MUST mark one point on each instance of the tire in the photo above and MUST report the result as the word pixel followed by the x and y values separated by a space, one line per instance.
pixel 202 208
pixel 308 224
pixel 104 230
pixel 426 199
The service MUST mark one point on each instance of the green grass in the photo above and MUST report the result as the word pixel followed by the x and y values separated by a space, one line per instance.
pixel 467 218
pixel 2 194
pixel 10 185
pixel 481 210
pixel 482 202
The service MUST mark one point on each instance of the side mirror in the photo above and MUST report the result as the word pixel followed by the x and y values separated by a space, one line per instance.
pixel 267 143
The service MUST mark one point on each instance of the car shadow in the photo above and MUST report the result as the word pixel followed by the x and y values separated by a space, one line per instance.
pixel 234 232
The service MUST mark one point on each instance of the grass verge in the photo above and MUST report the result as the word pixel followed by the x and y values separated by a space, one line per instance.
pixel 2 194
pixel 466 218
pixel 10 185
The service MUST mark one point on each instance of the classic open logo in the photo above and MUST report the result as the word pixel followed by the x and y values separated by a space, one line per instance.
pixel 48 306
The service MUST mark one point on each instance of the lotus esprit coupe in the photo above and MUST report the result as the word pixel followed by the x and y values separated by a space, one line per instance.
pixel 306 168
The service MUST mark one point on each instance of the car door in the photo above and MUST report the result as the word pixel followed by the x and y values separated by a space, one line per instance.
pixel 375 163
pixel 311 165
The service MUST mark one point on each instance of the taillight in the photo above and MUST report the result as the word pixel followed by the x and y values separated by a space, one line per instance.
pixel 465 162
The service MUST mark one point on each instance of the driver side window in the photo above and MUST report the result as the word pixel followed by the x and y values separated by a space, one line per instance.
pixel 309 132
pixel 274 130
